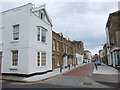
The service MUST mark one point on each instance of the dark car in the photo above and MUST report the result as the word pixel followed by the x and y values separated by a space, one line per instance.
pixel 98 62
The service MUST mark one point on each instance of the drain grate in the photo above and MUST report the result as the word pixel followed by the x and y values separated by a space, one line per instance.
pixel 87 83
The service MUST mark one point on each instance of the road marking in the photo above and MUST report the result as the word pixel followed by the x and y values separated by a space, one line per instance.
pixel 44 81
pixel 1 81
pixel 51 78
pixel 35 82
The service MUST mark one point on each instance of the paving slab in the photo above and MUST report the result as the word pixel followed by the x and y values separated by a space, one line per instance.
pixel 107 75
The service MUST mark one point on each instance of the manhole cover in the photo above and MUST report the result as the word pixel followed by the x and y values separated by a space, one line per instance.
pixel 87 83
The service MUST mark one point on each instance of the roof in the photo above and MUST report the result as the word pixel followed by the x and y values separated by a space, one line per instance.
pixel 112 14
pixel 17 7
pixel 42 7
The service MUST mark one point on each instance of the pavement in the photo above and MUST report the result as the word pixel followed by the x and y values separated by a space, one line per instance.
pixel 107 75
pixel 34 78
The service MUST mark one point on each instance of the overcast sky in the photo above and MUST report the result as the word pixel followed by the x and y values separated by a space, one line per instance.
pixel 81 21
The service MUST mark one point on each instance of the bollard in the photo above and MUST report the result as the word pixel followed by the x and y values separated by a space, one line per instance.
pixel 96 66
pixel 69 66
pixel 60 68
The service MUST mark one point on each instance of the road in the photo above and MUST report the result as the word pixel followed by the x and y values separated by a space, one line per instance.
pixel 80 77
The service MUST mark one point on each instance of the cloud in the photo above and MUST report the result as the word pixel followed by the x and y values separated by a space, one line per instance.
pixel 83 20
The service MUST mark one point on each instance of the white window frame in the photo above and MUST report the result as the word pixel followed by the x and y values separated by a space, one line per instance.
pixel 45 59
pixel 15 33
pixel 57 44
pixel 39 33
pixel 41 28
pixel 41 59
pixel 12 58
pixel 54 44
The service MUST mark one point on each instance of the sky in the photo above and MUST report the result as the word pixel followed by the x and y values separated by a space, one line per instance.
pixel 80 20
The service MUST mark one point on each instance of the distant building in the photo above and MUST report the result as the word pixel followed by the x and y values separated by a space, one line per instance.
pixel 113 39
pixel 79 49
pixel 96 57
pixel 105 54
pixel 87 55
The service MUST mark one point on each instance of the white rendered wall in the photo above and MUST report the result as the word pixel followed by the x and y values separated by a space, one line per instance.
pixel 0 32
pixel 36 46
pixel 27 46
pixel 12 17
pixel 79 58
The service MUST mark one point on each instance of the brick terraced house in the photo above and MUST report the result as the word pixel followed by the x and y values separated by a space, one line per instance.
pixel 65 52
pixel 113 39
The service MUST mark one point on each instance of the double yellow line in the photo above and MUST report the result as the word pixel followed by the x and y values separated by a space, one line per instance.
pixel 34 82
pixel 1 81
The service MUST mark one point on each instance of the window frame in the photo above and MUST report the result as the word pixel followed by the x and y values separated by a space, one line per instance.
pixel 41 34
pixel 45 59
pixel 39 59
pixel 40 63
pixel 43 30
pixel 13 62
pixel 16 32
pixel 57 44
pixel 54 44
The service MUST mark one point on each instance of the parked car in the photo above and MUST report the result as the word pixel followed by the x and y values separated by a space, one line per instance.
pixel 98 62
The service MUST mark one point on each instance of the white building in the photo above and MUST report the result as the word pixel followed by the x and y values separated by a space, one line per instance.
pixel 108 45
pixel 0 33
pixel 79 58
pixel 0 43
pixel 27 40
pixel 101 54
pixel 87 55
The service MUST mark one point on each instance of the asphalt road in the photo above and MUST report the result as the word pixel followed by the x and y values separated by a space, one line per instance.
pixel 8 84
pixel 78 78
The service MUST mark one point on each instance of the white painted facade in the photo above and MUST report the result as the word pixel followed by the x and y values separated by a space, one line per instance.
pixel 108 49
pixel 65 61
pixel 27 45
pixel 79 58
pixel 1 33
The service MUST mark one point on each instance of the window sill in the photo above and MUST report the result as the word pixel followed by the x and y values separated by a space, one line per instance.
pixel 58 50
pixel 42 42
pixel 14 68
pixel 41 66
pixel 14 41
